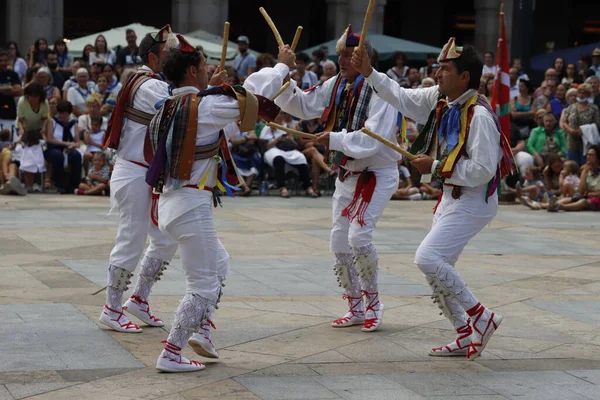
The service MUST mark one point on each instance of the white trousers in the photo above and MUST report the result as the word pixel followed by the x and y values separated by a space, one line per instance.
pixel 134 200
pixel 204 258
pixel 346 235
pixel 455 222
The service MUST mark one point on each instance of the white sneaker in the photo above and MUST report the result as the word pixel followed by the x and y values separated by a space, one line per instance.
pixel 459 347
pixel 201 342
pixel 141 309
pixel 171 360
pixel 118 321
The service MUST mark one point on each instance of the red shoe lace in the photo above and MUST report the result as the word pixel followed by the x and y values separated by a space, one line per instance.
pixel 352 310
pixel 463 332
pixel 371 322
pixel 139 301
pixel 477 312
pixel 206 330
pixel 175 350
pixel 128 325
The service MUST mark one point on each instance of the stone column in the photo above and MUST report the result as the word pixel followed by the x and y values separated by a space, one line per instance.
pixel 191 15
pixel 337 17
pixel 357 11
pixel 29 20
pixel 487 14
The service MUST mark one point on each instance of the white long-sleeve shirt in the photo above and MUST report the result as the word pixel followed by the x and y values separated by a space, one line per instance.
pixel 483 152
pixel 365 151
pixel 133 134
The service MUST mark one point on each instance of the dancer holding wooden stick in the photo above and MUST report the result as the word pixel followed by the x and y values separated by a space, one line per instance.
pixel 461 143
pixel 368 171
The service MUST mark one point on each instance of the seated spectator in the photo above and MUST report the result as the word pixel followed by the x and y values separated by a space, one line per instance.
pixel 264 60
pixel 93 109
pixel 575 116
pixel 58 78
pixel 522 113
pixel 9 181
pixel 127 72
pixel 569 179
pixel 106 97
pixel 84 61
pixel 245 153
pixel 98 179
pixel 545 140
pixel 329 70
pixel 63 149
pixel 315 154
pixel 589 187
pixel 94 139
pixel 113 83
pixel 78 95
pixel 282 150
pixel 406 190
pixel 101 50
pixel 552 173
pixel 486 86
pixel 318 59
pixel 65 60
pixel 570 76
pixel 44 78
pixel 32 160
pixel 429 82
pixel 559 102
pixel 18 64
pixel 533 187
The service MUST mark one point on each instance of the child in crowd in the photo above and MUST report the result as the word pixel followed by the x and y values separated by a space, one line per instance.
pixel 93 138
pixel 569 179
pixel 98 179
pixel 533 187
pixel 406 190
pixel 32 159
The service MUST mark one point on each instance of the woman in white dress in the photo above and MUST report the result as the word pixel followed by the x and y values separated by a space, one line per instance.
pixel 281 151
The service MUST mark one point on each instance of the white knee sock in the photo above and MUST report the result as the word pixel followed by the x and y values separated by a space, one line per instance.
pixel 369 283
pixel 188 317
pixel 452 285
pixel 147 277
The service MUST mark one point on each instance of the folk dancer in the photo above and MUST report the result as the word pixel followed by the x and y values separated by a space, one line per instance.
pixel 462 145
pixel 191 157
pixel 127 133
pixel 368 172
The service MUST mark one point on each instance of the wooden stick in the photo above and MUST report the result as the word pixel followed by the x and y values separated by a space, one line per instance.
pixel 283 89
pixel 389 144
pixel 224 48
pixel 296 38
pixel 272 26
pixel 366 23
pixel 292 131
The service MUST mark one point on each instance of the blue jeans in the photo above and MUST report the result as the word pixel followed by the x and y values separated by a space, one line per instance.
pixel 576 156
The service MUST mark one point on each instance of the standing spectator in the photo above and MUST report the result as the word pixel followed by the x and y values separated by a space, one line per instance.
pixel 428 82
pixel 541 102
pixel 244 151
pixel 58 79
pixel 583 112
pixel 10 87
pixel 77 96
pixel 522 111
pixel 9 183
pixel 546 140
pixel 318 59
pixel 559 67
pixel 549 75
pixel 594 82
pixel 488 64
pixel 64 141
pixel 414 79
pixel 514 82
pixel 65 60
pixel 429 61
pixel 17 63
pixel 101 50
pixel 37 52
pixel 44 78
pixel 559 102
pixel 571 76
pixel 85 56
pixel 584 63
pixel 308 78
pixel 33 110
pixel 486 84
pixel 244 63
pixel 129 56
pixel 596 61
pixel 329 70
pixel 264 60
pixel 399 70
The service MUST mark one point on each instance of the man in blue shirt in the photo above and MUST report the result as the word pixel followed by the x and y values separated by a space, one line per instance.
pixel 244 63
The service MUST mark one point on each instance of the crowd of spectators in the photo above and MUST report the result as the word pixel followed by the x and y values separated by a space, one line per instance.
pixel 54 110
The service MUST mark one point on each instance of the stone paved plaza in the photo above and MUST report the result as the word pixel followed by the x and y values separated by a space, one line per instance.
pixel 541 271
